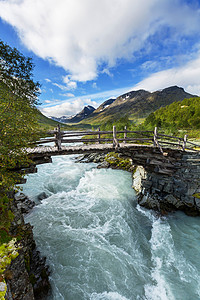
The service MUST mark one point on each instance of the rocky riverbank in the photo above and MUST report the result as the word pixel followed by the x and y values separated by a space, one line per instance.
pixel 178 191
pixel 111 160
pixel 156 189
pixel 27 275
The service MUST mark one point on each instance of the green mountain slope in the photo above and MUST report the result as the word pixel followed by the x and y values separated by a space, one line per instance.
pixel 180 115
pixel 44 122
pixel 136 104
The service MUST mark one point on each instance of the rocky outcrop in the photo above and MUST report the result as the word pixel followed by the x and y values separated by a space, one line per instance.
pixel 179 190
pixel 110 160
pixel 24 204
pixel 27 275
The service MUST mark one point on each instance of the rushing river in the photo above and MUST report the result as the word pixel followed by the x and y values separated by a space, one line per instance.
pixel 101 245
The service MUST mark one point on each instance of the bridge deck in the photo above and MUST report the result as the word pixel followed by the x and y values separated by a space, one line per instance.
pixel 81 149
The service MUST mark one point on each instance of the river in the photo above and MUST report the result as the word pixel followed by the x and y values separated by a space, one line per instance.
pixel 100 245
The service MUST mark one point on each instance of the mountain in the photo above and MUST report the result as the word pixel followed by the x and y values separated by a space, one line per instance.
pixel 86 111
pixel 62 119
pixel 104 105
pixel 45 122
pixel 136 104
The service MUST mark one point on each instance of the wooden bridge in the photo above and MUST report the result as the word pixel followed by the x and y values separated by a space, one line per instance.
pixel 170 178
pixel 104 142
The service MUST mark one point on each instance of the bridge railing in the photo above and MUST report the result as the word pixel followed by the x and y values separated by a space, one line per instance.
pixel 116 137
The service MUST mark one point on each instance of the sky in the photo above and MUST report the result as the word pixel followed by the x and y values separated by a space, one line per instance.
pixel 87 51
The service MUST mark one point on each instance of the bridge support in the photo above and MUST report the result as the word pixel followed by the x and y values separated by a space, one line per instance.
pixel 177 190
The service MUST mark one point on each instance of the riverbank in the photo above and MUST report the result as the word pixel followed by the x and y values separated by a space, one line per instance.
pixel 156 189
pixel 26 277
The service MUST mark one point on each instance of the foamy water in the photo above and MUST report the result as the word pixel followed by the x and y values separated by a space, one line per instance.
pixel 101 245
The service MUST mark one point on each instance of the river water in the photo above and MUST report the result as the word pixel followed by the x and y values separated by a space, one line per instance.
pixel 100 245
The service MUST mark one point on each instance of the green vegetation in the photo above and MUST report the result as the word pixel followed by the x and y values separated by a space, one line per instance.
pixel 18 127
pixel 118 162
pixel 8 252
pixel 179 117
pixel 197 195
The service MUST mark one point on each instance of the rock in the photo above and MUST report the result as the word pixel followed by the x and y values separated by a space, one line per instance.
pixel 103 165
pixel 149 201
pixel 24 204
pixel 28 272
pixel 174 189
pixel 42 196
pixel 170 199
pixel 2 286
pixel 138 176
pixel 19 286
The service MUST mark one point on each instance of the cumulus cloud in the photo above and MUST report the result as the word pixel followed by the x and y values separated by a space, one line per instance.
pixel 186 76
pixel 68 108
pixel 81 35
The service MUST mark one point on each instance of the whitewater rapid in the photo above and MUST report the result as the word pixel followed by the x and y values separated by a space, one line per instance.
pixel 100 245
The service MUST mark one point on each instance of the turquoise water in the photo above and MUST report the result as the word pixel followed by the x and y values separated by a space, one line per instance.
pixel 101 245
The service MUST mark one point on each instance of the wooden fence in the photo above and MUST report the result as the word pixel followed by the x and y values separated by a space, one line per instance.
pixel 116 137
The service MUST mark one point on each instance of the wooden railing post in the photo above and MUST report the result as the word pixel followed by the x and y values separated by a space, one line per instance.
pixel 58 137
pixel 115 142
pixel 179 143
pixel 99 136
pixel 125 134
pixel 155 137
pixel 155 140
pixel 184 142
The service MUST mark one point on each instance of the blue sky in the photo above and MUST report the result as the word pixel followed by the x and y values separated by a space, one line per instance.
pixel 87 51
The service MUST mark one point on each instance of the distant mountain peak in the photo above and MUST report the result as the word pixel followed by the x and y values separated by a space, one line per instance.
pixel 86 111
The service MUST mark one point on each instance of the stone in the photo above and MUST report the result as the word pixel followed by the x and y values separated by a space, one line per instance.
pixel 24 204
pixel 149 202
pixel 138 176
pixel 26 265
pixel 42 196
pixel 103 165
pixel 173 201
pixel 2 287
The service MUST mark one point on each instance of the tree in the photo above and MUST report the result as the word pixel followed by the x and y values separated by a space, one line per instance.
pixel 18 126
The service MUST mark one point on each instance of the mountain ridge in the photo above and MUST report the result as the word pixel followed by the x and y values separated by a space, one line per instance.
pixel 138 104
pixel 134 104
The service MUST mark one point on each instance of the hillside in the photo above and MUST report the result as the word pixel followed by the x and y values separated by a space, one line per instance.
pixel 136 104
pixel 44 122
pixel 178 115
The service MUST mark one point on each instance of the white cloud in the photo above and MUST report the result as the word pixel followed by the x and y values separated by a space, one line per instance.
pixel 69 95
pixel 94 85
pixel 68 108
pixel 60 86
pixel 80 35
pixel 71 85
pixel 186 76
